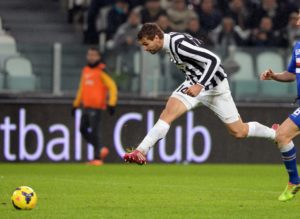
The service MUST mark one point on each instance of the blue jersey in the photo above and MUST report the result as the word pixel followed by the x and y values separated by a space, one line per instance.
pixel 294 66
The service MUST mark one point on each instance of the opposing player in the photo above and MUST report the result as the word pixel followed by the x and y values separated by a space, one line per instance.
pixel 205 84
pixel 290 128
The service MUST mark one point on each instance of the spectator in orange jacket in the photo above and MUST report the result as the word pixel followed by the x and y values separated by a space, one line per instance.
pixel 94 90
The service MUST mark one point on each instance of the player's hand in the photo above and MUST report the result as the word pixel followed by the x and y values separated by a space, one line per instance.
pixel 194 90
pixel 267 75
pixel 73 111
pixel 111 110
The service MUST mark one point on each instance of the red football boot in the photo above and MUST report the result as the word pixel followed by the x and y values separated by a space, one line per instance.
pixel 135 157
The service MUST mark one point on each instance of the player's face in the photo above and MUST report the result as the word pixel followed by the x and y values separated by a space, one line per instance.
pixel 152 46
pixel 92 57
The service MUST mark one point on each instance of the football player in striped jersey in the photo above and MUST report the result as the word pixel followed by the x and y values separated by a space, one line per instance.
pixel 206 84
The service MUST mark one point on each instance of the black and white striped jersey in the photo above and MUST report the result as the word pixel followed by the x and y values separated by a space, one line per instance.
pixel 197 63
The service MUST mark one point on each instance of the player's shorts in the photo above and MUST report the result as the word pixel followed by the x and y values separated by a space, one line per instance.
pixel 218 99
pixel 295 117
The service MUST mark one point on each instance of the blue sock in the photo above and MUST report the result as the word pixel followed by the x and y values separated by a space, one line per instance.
pixel 289 159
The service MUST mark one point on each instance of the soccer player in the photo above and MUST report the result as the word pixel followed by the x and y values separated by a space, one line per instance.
pixel 205 84
pixel 94 86
pixel 290 128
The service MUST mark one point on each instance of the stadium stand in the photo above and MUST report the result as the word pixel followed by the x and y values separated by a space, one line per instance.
pixel 244 81
pixel 1 81
pixel 265 58
pixel 272 88
pixel 1 27
pixel 37 27
pixel 7 48
pixel 19 74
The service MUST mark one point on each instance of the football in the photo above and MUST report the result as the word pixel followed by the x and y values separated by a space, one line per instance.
pixel 24 198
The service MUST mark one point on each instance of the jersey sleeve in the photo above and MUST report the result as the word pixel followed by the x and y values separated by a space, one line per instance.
pixel 199 54
pixel 77 101
pixel 292 64
pixel 112 87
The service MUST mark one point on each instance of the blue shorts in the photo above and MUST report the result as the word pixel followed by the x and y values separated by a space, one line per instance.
pixel 295 117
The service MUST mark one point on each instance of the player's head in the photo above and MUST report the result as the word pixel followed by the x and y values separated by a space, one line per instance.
pixel 93 56
pixel 151 37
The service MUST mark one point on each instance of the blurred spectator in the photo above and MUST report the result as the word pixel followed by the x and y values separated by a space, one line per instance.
pixel 179 14
pixel 151 11
pixel 278 11
pixel 266 36
pixel 135 3
pixel 164 23
pixel 292 29
pixel 239 13
pixel 195 30
pixel 222 5
pixel 116 17
pixel 125 37
pixel 126 46
pixel 91 34
pixel 228 34
pixel 76 10
pixel 209 16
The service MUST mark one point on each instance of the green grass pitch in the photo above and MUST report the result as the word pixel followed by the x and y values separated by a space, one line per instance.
pixel 151 191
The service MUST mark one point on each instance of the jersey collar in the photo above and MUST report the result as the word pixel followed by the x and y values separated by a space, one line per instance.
pixel 166 44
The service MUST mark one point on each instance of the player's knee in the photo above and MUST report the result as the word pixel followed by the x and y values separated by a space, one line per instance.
pixel 168 115
pixel 238 133
pixel 281 138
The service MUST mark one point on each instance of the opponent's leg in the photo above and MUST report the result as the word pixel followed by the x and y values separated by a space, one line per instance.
pixel 284 135
pixel 174 109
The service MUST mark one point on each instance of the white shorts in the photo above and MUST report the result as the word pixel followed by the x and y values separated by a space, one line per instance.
pixel 218 99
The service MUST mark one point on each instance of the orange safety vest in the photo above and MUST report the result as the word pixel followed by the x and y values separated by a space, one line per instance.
pixel 94 87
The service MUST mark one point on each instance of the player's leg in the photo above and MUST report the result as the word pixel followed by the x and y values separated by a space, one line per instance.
pixel 93 117
pixel 94 120
pixel 284 135
pixel 240 129
pixel 221 102
pixel 177 105
pixel 100 152
pixel 84 125
pixel 174 109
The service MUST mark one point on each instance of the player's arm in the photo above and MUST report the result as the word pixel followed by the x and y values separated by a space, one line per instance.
pixel 285 76
pixel 112 87
pixel 199 54
pixel 77 101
